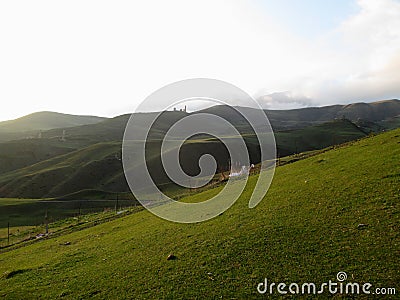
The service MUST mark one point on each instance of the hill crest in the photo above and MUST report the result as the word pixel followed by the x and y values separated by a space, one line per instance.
pixel 46 120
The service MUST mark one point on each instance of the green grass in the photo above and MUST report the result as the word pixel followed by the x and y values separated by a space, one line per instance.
pixel 88 168
pixel 25 212
pixel 306 229
pixel 21 212
pixel 22 153
pixel 20 236
pixel 13 201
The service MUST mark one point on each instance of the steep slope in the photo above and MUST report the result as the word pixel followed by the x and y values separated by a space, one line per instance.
pixel 305 230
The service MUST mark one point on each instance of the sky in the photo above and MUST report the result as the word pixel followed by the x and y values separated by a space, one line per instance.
pixel 105 57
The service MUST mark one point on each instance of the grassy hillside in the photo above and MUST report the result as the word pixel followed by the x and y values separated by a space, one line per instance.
pixel 374 111
pixel 91 167
pixel 113 129
pixel 32 126
pixel 22 153
pixel 305 230
pixel 317 137
pixel 391 123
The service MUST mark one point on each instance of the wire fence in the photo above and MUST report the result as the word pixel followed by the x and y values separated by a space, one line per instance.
pixel 26 221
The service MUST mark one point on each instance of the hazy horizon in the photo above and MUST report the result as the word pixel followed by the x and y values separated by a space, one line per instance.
pixel 101 58
pixel 189 110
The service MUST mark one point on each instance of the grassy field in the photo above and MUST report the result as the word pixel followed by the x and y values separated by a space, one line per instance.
pixel 19 236
pixel 31 212
pixel 305 230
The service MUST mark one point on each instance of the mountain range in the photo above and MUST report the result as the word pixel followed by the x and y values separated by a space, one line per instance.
pixel 49 154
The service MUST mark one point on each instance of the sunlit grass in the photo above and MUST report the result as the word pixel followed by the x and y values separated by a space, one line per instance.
pixel 305 230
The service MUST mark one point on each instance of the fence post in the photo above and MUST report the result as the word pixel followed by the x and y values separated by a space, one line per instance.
pixel 8 233
pixel 116 205
pixel 47 222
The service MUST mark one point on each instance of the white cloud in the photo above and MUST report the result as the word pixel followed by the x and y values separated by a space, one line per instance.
pixel 367 49
pixel 284 100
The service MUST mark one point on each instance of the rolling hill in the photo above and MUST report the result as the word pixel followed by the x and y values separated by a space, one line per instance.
pixel 92 167
pixel 303 117
pixel 31 167
pixel 31 125
pixel 334 212
pixel 46 120
pixel 99 167
pixel 384 113
pixel 317 137
pixel 18 154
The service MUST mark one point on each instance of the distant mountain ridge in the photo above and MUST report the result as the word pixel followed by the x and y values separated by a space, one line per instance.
pixel 52 123
pixel 374 111
pixel 303 117
pixel 47 120
pixel 376 114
